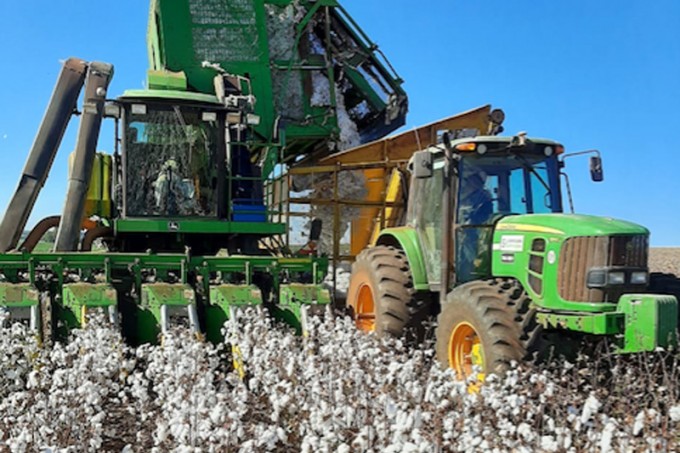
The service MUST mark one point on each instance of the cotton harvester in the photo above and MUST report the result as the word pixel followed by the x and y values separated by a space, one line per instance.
pixel 178 224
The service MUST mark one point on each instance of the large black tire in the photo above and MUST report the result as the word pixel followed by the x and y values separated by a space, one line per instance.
pixel 381 295
pixel 669 284
pixel 660 283
pixel 501 315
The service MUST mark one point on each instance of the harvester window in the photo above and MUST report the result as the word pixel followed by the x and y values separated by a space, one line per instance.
pixel 170 162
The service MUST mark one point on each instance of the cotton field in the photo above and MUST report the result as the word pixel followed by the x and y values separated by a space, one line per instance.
pixel 337 391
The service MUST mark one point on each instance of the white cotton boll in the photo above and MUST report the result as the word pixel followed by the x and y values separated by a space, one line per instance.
pixel 96 443
pixel 674 413
pixel 321 95
pixel 161 433
pixel 526 432
pixel 606 439
pixel 549 443
pixel 590 408
pixel 639 423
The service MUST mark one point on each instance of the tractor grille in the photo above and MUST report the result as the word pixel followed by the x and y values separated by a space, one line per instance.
pixel 580 254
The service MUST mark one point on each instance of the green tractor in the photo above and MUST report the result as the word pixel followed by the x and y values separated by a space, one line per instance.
pixel 486 247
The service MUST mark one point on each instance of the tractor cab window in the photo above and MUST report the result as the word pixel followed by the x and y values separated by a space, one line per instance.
pixel 170 161
pixel 508 184
pixel 492 186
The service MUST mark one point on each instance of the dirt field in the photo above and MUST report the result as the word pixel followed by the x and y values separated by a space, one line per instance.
pixel 665 260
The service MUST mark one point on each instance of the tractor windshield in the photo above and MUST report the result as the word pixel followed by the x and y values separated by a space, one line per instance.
pixel 492 186
pixel 170 163
pixel 508 184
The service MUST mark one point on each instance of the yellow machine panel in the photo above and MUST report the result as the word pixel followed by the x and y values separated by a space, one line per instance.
pixel 98 202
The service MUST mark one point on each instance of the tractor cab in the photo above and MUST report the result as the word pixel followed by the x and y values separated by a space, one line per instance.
pixel 494 177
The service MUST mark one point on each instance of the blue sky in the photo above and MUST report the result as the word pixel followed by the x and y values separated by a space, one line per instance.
pixel 592 74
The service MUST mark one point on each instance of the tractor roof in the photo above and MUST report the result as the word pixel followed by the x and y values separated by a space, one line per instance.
pixel 496 143
pixel 502 139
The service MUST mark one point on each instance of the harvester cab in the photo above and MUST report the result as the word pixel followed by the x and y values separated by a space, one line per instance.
pixel 487 247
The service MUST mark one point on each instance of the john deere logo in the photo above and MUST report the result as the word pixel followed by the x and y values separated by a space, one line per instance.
pixel 173 226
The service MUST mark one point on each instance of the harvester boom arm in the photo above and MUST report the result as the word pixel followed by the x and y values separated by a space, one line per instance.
pixel 59 110
pixel 97 82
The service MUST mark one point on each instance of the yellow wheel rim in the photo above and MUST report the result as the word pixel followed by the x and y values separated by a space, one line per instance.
pixel 466 351
pixel 365 309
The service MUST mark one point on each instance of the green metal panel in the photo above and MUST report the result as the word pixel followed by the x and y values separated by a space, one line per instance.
pixel 172 95
pixel 134 262
pixel 569 225
pixel 19 300
pixel 222 298
pixel 295 296
pixel 77 298
pixel 154 296
pixel 642 322
pixel 166 80
pixel 18 295
pixel 651 322
pixel 406 238
pixel 595 324
pixel 197 226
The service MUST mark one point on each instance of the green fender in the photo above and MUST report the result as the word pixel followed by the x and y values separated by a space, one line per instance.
pixel 406 239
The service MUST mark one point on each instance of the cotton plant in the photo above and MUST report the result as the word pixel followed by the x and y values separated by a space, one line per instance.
pixel 337 390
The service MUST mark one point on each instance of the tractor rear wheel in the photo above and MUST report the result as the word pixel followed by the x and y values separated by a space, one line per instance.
pixel 486 324
pixel 381 295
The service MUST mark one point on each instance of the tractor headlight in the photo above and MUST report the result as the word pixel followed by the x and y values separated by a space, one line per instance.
pixel 597 278
pixel 638 278
pixel 604 277
pixel 616 278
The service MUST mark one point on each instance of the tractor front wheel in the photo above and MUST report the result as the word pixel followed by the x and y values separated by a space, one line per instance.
pixel 484 326
pixel 381 296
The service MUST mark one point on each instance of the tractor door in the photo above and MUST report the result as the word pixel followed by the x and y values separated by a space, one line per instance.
pixel 425 214
pixel 481 196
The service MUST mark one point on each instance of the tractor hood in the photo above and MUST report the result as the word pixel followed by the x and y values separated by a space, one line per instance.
pixel 569 225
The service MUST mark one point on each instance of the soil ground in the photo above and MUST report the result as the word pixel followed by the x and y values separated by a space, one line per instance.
pixel 665 259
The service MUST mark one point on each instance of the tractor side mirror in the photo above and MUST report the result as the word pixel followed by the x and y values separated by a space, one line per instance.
pixel 315 230
pixel 596 172
pixel 423 162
